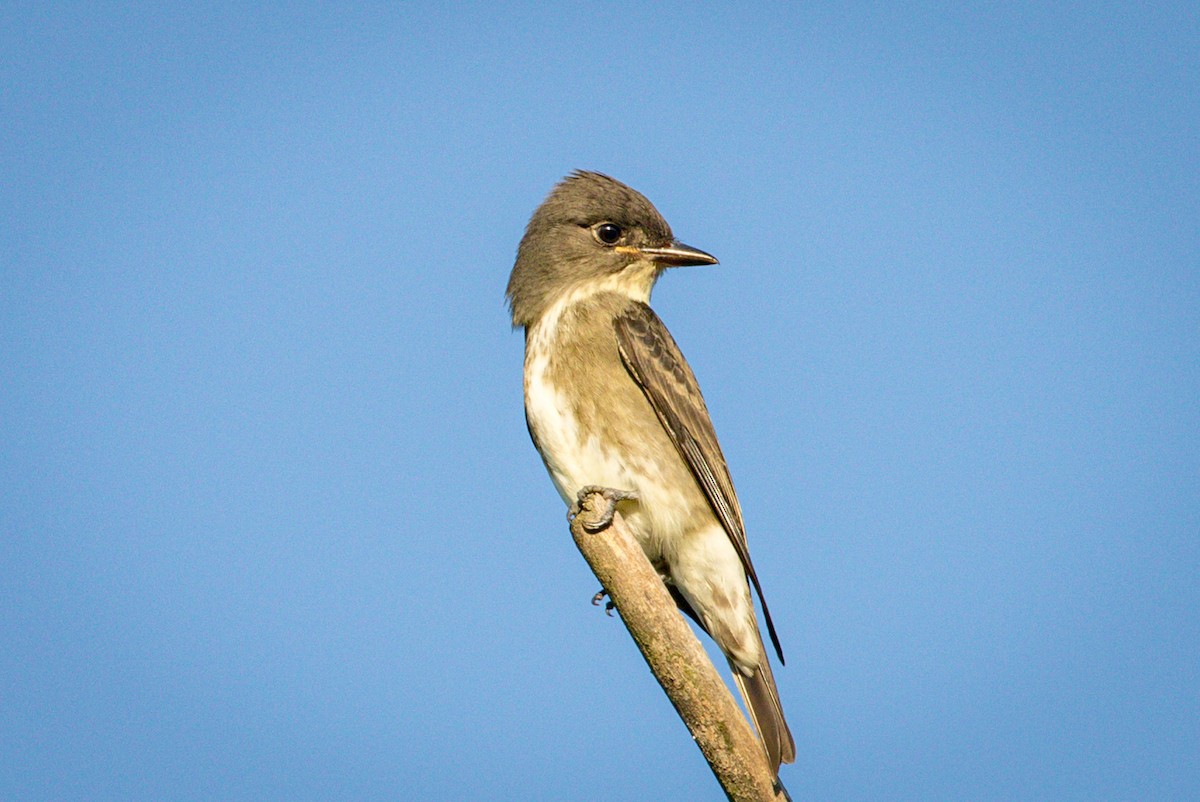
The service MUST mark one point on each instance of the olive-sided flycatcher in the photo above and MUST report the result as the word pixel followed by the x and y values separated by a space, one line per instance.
pixel 611 402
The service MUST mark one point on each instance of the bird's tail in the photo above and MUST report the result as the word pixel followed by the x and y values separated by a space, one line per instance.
pixel 762 701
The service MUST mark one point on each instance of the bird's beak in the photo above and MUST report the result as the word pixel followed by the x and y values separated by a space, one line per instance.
pixel 674 255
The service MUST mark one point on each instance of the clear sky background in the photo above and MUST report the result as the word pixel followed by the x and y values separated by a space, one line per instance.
pixel 271 523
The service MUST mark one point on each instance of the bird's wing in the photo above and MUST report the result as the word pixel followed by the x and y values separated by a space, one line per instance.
pixel 657 365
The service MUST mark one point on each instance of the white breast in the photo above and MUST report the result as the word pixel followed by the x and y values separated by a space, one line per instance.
pixel 573 458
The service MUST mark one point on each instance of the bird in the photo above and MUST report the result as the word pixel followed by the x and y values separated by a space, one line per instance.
pixel 611 404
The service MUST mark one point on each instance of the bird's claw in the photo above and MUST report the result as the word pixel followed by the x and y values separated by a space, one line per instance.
pixel 608 605
pixel 610 495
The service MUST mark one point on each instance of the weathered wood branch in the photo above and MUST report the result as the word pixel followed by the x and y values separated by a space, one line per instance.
pixel 675 656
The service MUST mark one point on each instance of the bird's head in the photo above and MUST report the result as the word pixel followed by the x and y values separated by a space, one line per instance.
pixel 592 234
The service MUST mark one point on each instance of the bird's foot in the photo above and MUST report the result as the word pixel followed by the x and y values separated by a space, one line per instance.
pixel 608 605
pixel 604 517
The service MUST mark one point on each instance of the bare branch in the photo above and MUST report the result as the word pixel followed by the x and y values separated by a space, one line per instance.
pixel 675 656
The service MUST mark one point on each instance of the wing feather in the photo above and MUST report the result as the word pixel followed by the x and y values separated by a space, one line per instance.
pixel 657 365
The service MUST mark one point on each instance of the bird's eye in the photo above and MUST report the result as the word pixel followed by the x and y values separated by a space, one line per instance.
pixel 608 233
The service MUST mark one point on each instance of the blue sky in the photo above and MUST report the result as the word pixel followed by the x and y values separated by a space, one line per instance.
pixel 270 523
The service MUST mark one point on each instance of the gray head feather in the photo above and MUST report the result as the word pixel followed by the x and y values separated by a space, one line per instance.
pixel 559 250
